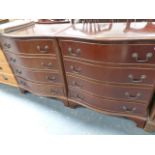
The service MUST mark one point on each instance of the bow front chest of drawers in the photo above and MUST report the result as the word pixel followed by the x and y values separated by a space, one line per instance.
pixel 108 77
pixel 112 74
pixel 36 64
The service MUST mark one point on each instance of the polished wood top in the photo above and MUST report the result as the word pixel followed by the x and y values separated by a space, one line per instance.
pixel 49 30
pixel 111 31
pixel 93 31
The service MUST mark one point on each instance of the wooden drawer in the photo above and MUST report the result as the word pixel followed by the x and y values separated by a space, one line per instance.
pixel 134 94
pixel 5 68
pixel 103 73
pixel 7 79
pixel 29 46
pixel 37 75
pixel 41 89
pixel 109 53
pixel 33 62
pixel 108 105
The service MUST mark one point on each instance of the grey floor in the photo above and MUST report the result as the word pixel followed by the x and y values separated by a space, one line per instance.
pixel 30 114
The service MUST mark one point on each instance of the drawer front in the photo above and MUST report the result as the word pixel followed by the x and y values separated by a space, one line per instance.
pixel 8 79
pixel 110 53
pixel 37 76
pixel 134 94
pixel 29 46
pixel 41 89
pixel 130 75
pixel 5 68
pixel 108 105
pixel 33 62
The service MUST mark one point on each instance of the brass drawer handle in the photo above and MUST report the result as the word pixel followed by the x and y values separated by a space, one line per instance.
pixel 7 45
pixel 74 83
pixel 149 55
pixel 75 69
pixel 48 65
pixel 72 53
pixel 141 79
pixel 51 78
pixel 18 71
pixel 130 110
pixel 129 96
pixel 13 60
pixel 44 49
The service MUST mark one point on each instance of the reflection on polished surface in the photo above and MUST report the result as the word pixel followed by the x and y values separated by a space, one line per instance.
pixel 111 31
pixel 145 27
pixel 92 29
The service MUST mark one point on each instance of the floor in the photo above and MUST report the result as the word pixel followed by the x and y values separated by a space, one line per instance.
pixel 30 114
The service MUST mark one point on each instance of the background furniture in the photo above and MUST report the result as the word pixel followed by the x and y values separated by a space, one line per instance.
pixel 6 75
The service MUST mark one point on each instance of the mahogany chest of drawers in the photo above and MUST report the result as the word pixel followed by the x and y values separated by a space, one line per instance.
pixel 111 75
pixel 37 65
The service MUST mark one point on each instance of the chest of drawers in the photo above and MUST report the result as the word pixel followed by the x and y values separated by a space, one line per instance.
pixel 37 65
pixel 104 74
pixel 111 75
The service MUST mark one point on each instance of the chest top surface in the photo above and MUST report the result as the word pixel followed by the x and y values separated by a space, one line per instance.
pixel 90 31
